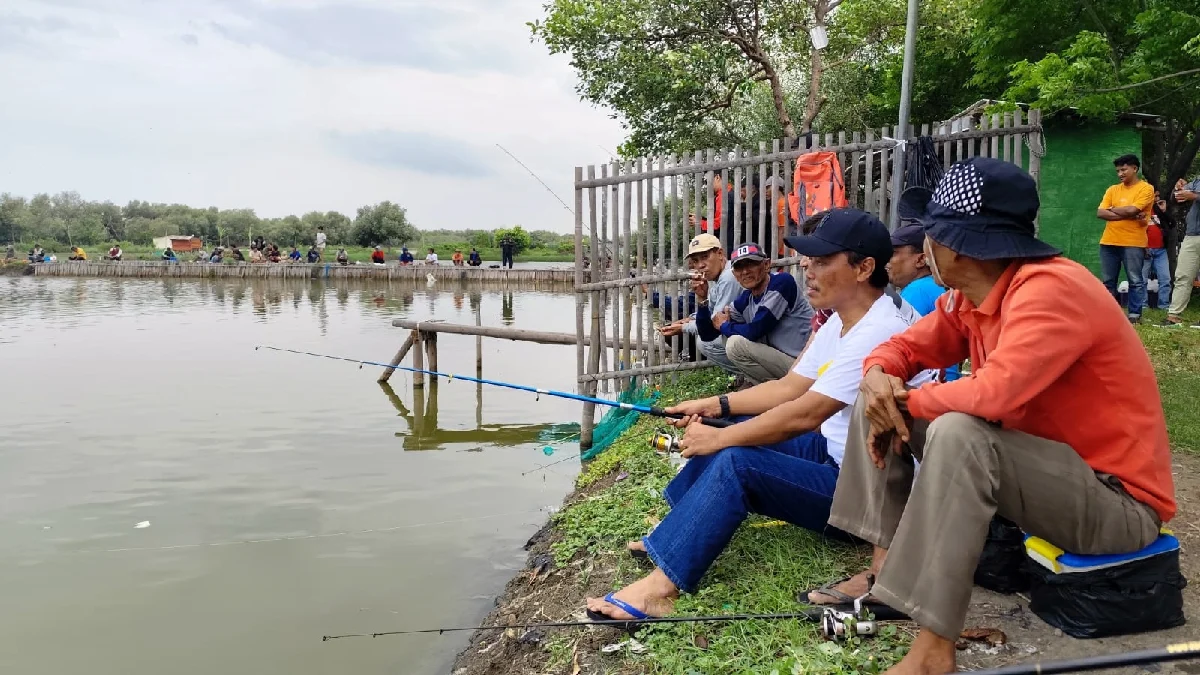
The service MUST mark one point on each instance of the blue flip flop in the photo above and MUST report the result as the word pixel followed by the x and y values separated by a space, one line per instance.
pixel 628 625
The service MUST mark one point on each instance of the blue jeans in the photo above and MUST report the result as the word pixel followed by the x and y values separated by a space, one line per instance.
pixel 1112 258
pixel 1156 259
pixel 713 494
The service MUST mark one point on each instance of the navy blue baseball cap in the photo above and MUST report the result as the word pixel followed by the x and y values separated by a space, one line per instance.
pixel 846 230
pixel 909 235
pixel 748 251
pixel 984 209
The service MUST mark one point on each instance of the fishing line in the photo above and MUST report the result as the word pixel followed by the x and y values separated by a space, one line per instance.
pixel 326 535
pixel 806 616
pixel 648 410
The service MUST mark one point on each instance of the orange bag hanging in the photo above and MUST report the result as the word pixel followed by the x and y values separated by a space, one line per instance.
pixel 817 185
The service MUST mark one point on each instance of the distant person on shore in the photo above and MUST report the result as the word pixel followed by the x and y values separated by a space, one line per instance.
pixel 457 258
pixel 115 253
pixel 77 254
pixel 321 239
pixel 406 256
pixel 314 255
pixel 507 246
pixel 10 252
pixel 431 258
pixel 343 258
pixel 256 255
pixel 168 255
pixel 201 255
pixel 236 253
pixel 37 254
pixel 217 256
pixel 295 256
pixel 378 257
pixel 473 258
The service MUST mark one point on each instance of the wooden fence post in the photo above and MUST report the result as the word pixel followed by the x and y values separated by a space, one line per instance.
pixel 387 372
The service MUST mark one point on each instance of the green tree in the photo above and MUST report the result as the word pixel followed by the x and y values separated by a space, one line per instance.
pixel 234 225
pixel 383 223
pixel 521 238
pixel 1104 58
pixel 13 213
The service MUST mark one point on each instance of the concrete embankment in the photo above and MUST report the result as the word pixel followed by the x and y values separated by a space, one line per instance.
pixel 416 273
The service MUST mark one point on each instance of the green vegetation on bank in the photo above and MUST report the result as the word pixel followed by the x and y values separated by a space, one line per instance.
pixel 65 219
pixel 767 564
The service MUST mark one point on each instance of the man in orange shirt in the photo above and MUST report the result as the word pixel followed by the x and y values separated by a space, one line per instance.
pixel 1126 207
pixel 1059 426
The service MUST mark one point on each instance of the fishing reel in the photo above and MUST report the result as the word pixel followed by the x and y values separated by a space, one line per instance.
pixel 665 442
pixel 839 625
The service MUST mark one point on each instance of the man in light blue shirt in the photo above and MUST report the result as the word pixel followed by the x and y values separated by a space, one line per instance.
pixel 713 284
pixel 910 274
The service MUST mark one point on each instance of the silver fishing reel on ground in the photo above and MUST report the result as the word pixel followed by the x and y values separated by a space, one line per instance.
pixel 839 625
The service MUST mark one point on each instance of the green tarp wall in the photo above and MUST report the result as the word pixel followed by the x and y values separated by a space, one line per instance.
pixel 1076 171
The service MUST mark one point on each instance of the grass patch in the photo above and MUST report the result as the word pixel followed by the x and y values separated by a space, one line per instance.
pixel 1175 353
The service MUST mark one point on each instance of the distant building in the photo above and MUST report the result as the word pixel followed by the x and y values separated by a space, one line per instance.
pixel 179 243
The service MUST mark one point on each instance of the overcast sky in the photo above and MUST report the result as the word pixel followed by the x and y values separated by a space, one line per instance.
pixel 290 106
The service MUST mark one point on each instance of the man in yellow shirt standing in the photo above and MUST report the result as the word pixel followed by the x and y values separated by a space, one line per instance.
pixel 1127 207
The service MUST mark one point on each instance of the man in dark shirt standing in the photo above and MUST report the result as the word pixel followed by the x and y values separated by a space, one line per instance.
pixel 506 250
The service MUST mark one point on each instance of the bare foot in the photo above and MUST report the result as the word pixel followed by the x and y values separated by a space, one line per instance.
pixel 654 594
pixel 930 654
pixel 636 546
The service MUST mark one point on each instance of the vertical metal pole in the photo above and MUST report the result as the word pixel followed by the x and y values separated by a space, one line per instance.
pixel 906 78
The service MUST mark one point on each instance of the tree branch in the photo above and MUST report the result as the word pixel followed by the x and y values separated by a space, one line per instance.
pixel 1141 84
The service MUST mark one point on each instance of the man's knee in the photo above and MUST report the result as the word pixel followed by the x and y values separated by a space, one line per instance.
pixel 957 433
pixel 737 348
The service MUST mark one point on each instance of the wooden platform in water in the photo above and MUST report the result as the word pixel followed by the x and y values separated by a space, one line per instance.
pixel 414 273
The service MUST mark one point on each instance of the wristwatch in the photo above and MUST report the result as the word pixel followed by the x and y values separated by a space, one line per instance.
pixel 724 401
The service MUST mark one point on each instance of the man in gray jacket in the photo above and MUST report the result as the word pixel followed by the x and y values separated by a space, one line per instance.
pixel 712 281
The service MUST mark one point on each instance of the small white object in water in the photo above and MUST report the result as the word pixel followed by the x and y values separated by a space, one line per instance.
pixel 142 525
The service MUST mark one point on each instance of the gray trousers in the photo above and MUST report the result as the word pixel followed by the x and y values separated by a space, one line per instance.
pixel 756 361
pixel 715 351
pixel 934 529
pixel 1186 268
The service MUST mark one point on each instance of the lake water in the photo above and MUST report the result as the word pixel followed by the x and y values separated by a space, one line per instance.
pixel 127 401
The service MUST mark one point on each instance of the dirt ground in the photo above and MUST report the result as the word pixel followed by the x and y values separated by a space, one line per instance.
pixel 542 594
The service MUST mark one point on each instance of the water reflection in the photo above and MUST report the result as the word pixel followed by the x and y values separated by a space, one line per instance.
pixel 423 432
pixel 506 307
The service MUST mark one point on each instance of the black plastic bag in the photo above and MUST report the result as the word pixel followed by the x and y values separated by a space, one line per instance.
pixel 1002 564
pixel 1136 597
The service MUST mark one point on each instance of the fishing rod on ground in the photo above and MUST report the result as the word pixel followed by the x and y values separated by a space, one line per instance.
pixel 1178 651
pixel 835 624
pixel 644 409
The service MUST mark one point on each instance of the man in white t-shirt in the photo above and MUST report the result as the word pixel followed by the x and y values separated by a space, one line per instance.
pixel 321 239
pixel 784 461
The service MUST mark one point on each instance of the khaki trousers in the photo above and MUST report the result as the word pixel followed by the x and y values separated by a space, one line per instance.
pixel 934 529
pixel 758 362
pixel 1186 268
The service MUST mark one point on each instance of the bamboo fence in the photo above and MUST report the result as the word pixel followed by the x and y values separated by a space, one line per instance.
pixel 632 226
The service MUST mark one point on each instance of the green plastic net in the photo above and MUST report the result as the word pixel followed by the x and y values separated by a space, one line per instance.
pixel 617 420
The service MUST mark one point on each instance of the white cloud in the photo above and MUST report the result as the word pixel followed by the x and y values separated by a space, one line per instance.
pixel 291 107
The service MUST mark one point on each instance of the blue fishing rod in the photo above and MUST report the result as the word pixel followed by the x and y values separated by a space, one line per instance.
pixel 645 409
